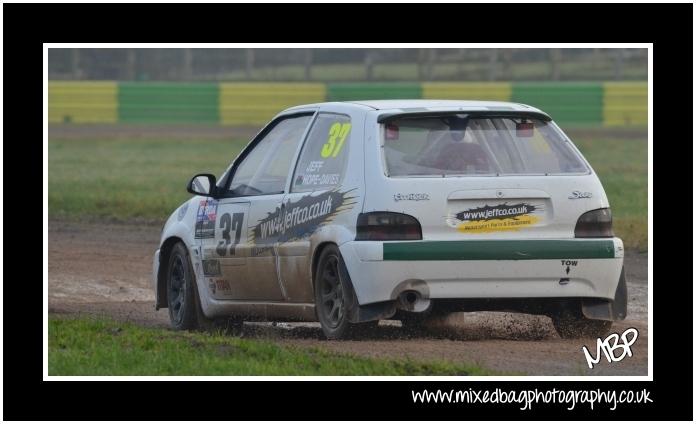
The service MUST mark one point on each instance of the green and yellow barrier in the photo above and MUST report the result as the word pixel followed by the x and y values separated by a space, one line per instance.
pixel 255 103
pixel 83 102
pixel 625 103
pixel 567 103
pixel 498 91
pixel 165 103
pixel 338 92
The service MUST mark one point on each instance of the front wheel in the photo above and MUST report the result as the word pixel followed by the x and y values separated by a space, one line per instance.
pixel 182 296
pixel 333 295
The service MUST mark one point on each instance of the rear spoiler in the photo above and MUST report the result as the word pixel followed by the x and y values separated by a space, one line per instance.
pixel 387 117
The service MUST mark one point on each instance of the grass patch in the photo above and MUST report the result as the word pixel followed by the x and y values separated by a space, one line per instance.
pixel 125 179
pixel 91 346
pixel 146 178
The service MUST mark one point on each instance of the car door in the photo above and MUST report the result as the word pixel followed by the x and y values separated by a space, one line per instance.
pixel 312 199
pixel 246 231
pixel 221 229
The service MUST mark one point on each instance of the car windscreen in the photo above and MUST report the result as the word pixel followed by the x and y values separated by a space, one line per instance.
pixel 455 145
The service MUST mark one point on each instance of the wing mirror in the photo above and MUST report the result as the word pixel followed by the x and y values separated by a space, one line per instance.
pixel 202 185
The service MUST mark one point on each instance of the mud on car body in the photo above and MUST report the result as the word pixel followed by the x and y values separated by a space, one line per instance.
pixel 351 212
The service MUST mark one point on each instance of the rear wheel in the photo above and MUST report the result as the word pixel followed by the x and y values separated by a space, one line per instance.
pixel 182 295
pixel 332 294
pixel 573 325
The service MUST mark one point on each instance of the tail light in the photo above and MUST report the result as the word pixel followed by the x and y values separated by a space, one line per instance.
pixel 388 226
pixel 596 223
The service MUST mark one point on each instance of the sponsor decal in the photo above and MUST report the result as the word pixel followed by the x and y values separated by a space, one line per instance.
pixel 298 220
pixel 411 196
pixel 222 285
pixel 205 219
pixel 211 267
pixel 503 217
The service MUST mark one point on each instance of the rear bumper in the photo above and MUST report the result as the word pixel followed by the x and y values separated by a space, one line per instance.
pixel 380 271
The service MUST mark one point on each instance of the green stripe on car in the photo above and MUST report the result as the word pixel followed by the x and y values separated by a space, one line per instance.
pixel 496 250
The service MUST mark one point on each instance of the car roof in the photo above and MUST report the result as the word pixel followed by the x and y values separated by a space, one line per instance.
pixel 419 105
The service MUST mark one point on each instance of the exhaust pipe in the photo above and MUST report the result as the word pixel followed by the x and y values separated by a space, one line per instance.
pixel 413 301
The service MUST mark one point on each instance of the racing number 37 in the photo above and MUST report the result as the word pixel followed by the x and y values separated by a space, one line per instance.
pixel 227 224
pixel 337 136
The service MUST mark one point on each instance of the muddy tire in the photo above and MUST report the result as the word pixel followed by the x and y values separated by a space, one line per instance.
pixel 182 294
pixel 333 295
pixel 574 326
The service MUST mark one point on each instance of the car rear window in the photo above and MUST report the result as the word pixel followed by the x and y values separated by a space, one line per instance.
pixel 461 145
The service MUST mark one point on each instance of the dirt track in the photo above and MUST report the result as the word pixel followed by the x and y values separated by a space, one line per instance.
pixel 104 269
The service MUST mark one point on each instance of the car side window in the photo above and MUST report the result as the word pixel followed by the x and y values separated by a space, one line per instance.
pixel 265 169
pixel 324 156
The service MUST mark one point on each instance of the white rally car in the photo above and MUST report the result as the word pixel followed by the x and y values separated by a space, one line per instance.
pixel 352 212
